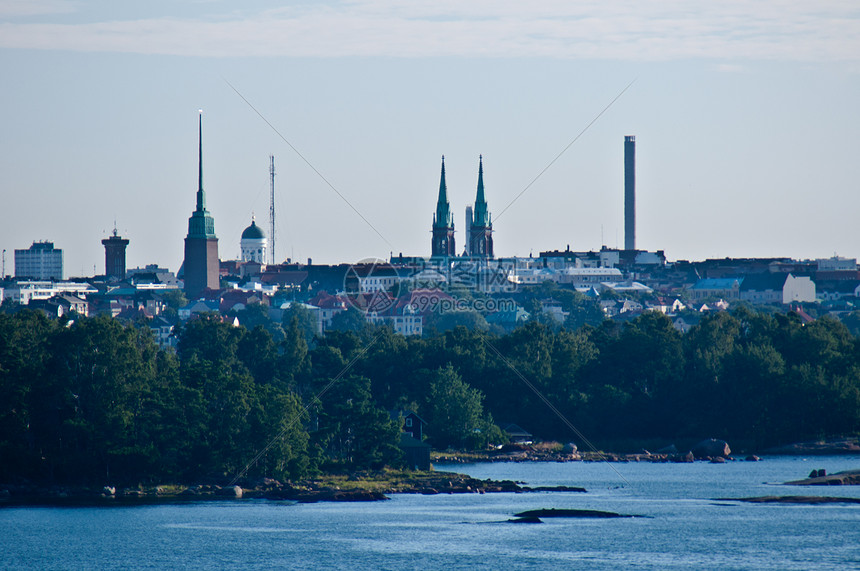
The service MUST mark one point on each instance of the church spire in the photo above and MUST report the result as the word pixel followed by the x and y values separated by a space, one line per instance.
pixel 443 208
pixel 481 214
pixel 480 232
pixel 201 223
pixel 201 197
pixel 201 268
pixel 443 223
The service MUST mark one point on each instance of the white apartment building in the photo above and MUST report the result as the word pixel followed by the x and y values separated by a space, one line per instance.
pixel 41 261
pixel 25 291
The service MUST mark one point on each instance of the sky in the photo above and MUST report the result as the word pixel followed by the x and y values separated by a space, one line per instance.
pixel 744 113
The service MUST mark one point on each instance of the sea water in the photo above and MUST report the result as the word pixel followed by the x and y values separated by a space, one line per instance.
pixel 683 525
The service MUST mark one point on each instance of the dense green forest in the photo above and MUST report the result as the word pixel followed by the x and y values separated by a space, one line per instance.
pixel 96 401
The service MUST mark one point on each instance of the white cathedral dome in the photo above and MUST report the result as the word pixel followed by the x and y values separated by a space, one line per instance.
pixel 253 244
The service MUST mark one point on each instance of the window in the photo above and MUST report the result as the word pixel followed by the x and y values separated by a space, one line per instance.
pixel 408 423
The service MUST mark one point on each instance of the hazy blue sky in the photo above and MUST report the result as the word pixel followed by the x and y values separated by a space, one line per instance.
pixel 745 114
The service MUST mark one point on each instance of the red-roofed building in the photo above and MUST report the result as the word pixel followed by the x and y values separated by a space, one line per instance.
pixel 329 306
pixel 404 317
pixel 237 300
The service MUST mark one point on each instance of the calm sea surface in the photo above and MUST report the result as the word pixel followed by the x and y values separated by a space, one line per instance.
pixel 685 527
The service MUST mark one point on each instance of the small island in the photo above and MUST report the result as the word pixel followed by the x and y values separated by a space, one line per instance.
pixel 821 478
pixel 805 500
pixel 93 408
pixel 357 487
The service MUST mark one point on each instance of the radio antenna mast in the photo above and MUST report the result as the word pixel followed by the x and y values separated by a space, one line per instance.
pixel 272 205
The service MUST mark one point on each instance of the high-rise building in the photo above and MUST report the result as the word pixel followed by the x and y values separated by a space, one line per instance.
pixel 115 256
pixel 481 227
pixel 629 192
pixel 201 245
pixel 468 229
pixel 443 223
pixel 41 261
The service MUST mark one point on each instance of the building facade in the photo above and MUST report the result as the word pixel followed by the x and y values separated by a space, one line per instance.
pixel 724 288
pixel 41 261
pixel 24 292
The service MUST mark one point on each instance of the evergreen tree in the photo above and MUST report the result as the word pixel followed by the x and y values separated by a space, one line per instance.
pixel 457 414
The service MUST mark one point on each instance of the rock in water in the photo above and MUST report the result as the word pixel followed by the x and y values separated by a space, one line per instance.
pixel 553 512
pixel 682 458
pixel 530 519
pixel 230 492
pixel 711 448
pixel 569 448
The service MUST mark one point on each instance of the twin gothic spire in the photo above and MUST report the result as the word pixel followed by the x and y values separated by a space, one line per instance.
pixel 479 241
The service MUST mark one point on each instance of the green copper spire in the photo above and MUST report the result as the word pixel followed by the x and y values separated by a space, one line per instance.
pixel 480 232
pixel 443 218
pixel 482 217
pixel 201 197
pixel 201 224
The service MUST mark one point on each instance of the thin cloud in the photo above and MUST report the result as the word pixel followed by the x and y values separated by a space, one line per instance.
pixel 730 68
pixel 622 30
pixel 29 8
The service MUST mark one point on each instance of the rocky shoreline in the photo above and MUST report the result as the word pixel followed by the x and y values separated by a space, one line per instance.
pixel 365 487
pixel 821 478
pixel 710 450
pixel 834 446
pixel 677 458
pixel 353 488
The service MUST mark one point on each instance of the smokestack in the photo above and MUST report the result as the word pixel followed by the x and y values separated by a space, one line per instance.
pixel 629 192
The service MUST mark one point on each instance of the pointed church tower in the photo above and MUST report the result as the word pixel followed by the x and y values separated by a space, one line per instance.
pixel 481 230
pixel 202 271
pixel 443 223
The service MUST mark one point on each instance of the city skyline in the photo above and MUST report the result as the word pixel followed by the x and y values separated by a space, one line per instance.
pixel 744 119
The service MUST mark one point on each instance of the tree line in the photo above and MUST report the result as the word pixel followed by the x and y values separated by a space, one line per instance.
pixel 94 400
